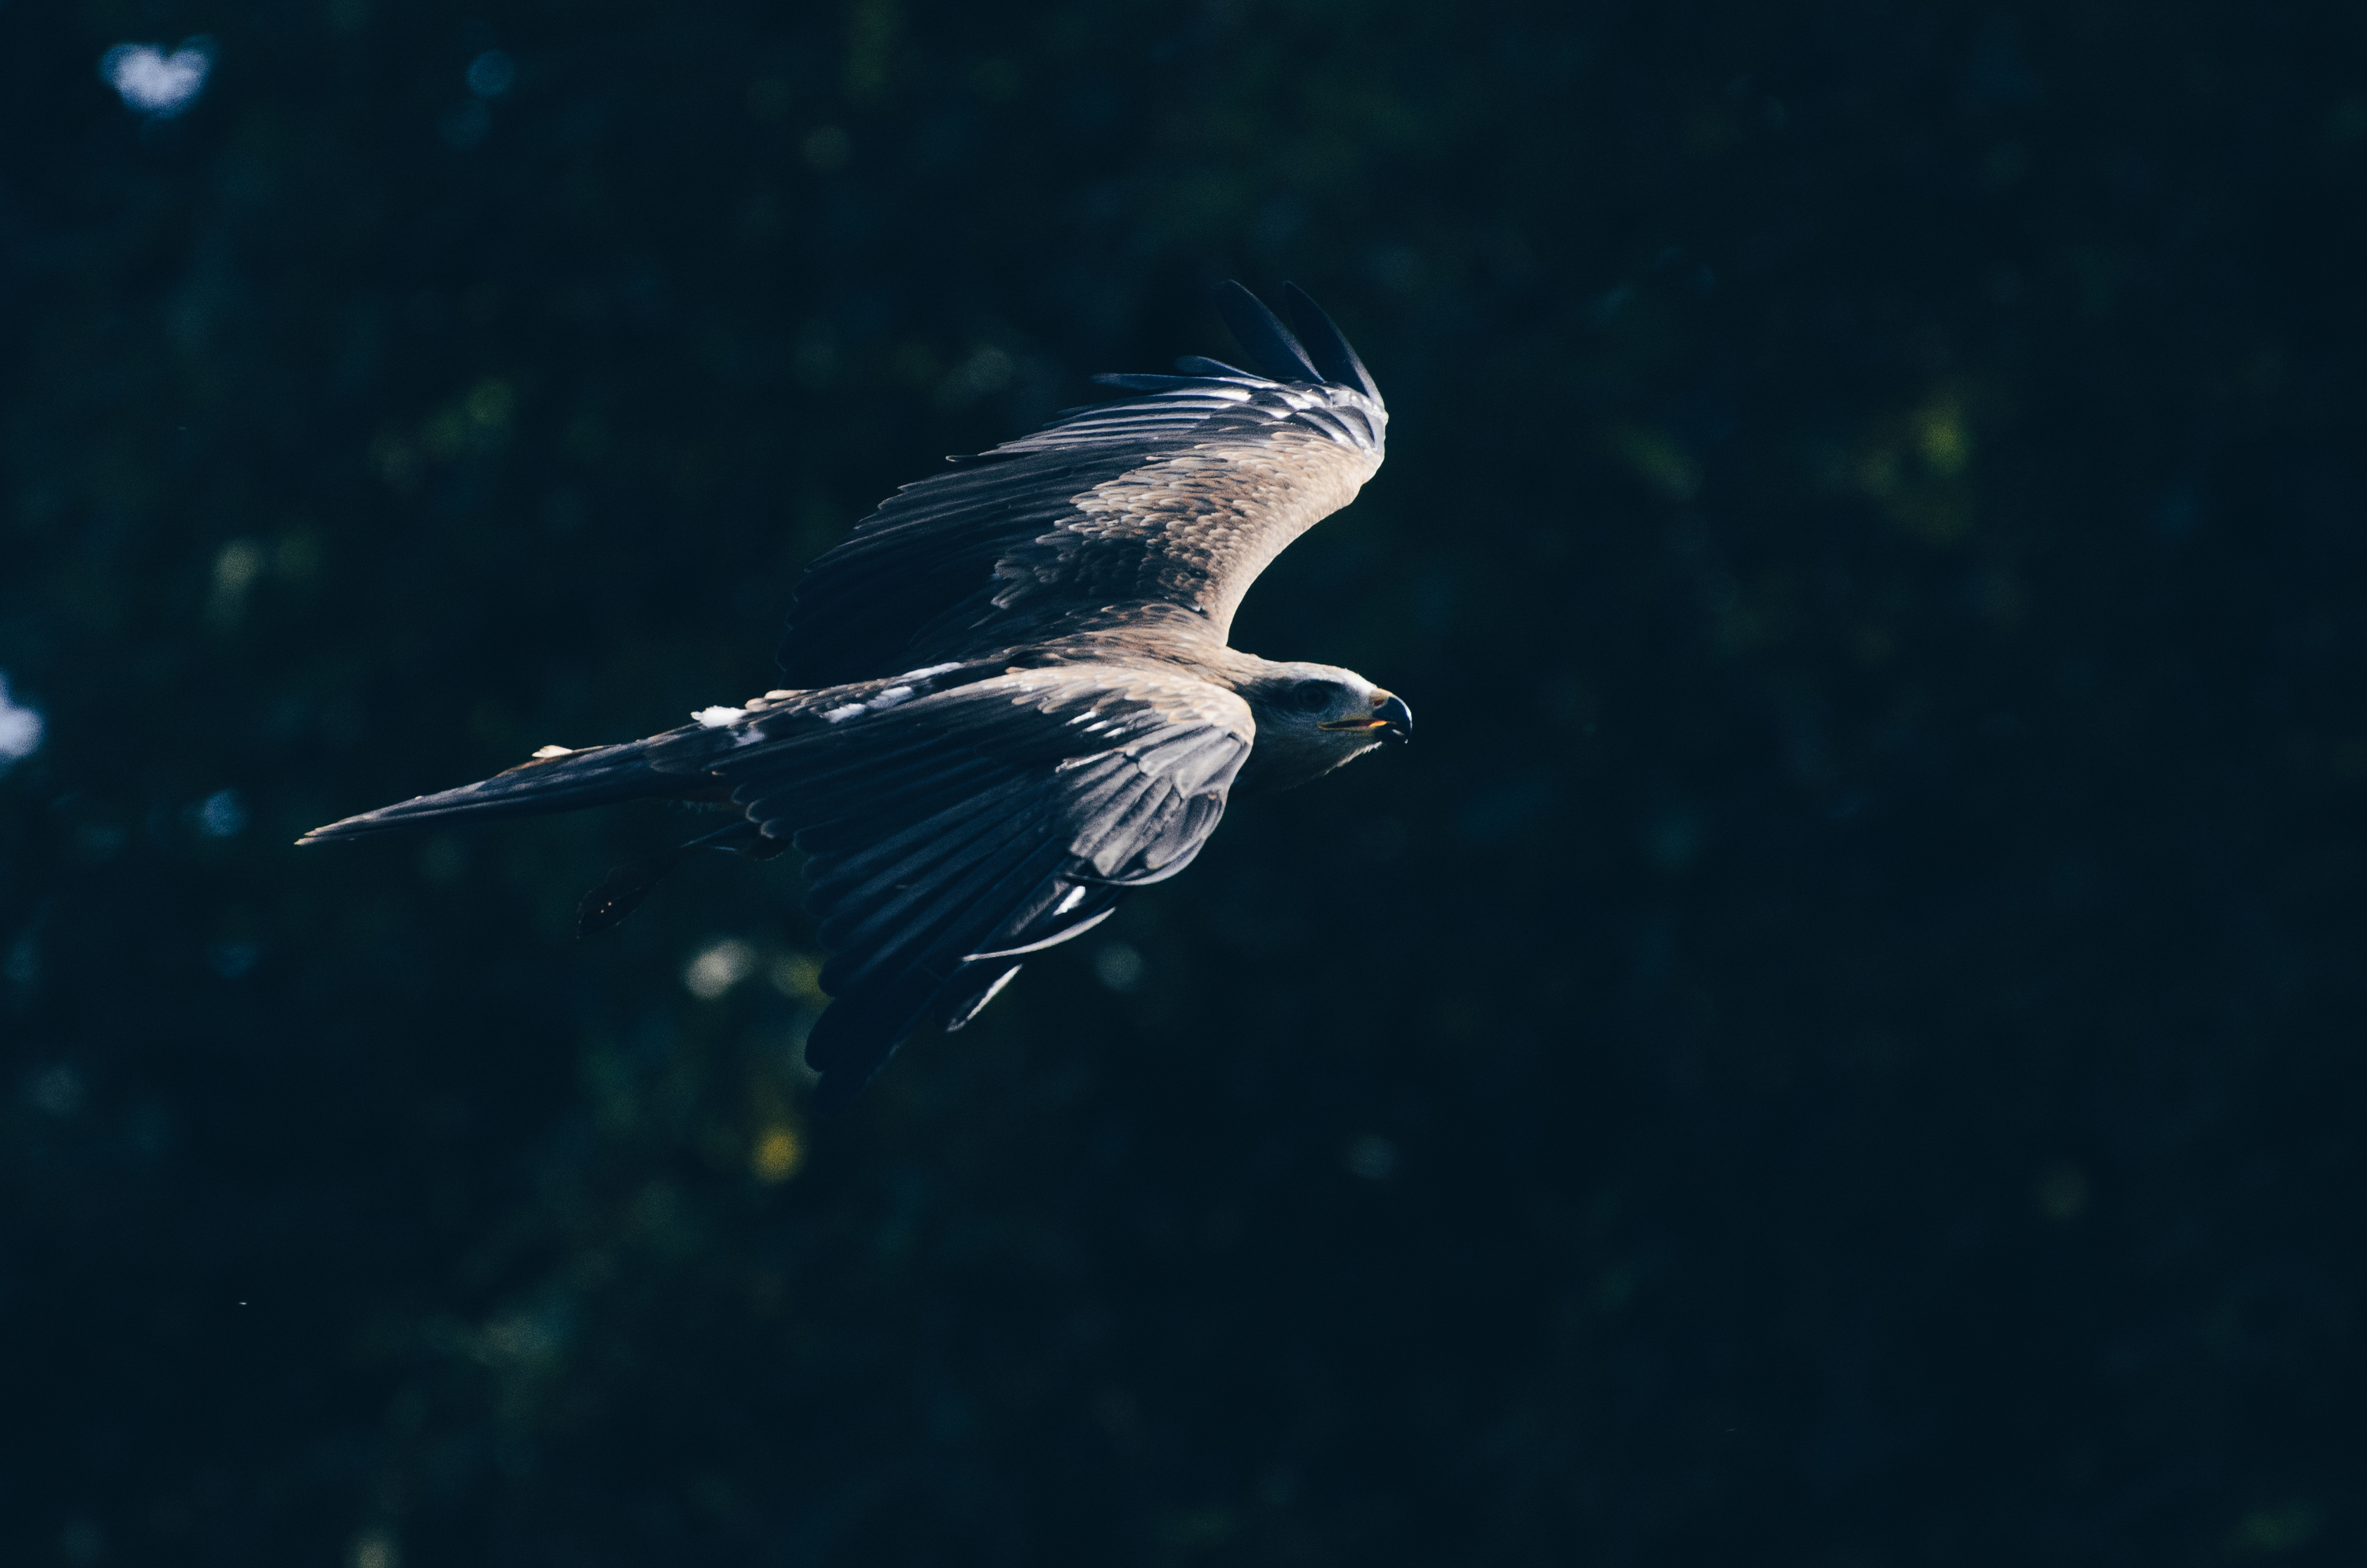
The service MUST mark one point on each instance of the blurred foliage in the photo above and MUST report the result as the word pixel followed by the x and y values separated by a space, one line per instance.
pixel 1829 1047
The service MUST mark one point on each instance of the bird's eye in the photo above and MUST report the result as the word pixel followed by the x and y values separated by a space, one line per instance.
pixel 1314 695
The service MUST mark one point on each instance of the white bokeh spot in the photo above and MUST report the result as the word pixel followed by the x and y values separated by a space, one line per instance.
pixel 20 728
pixel 157 84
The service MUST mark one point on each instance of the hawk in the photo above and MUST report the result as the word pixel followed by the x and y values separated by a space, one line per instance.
pixel 1009 698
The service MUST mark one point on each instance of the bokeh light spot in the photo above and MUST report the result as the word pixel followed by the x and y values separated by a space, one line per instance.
pixel 489 403
pixel 2061 1192
pixel 777 1154
pixel 233 959
pixel 2266 1531
pixel 20 728
pixel 717 968
pixel 236 571
pixel 1117 966
pixel 798 976
pixel 1371 1156
pixel 55 1091
pixel 221 814
pixel 158 85
pixel 491 74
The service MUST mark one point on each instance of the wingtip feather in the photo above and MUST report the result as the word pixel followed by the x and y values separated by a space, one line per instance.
pixel 1261 331
pixel 335 832
pixel 1326 343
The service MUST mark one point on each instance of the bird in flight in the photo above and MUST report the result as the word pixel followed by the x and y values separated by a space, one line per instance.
pixel 1008 696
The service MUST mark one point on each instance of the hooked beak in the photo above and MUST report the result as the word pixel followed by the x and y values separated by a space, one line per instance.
pixel 1390 715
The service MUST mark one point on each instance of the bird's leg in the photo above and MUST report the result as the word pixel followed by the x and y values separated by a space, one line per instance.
pixel 621 890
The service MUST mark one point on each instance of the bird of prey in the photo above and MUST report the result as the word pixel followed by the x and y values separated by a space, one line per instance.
pixel 1008 696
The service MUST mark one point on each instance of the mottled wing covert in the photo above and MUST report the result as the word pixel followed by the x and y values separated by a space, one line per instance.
pixel 1161 506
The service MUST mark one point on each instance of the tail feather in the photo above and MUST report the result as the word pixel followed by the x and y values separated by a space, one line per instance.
pixel 596 776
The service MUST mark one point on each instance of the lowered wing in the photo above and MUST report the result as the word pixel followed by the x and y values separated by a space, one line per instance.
pixel 951 834
pixel 1164 505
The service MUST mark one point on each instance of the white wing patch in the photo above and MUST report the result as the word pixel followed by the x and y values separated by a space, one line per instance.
pixel 879 703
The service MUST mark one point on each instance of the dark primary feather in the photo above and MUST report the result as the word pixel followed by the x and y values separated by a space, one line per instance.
pixel 1258 330
pixel 1327 346
pixel 1168 502
pixel 951 834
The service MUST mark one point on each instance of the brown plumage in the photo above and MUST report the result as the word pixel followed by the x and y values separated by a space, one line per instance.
pixel 1011 697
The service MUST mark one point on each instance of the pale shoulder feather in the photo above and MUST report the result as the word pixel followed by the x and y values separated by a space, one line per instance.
pixel 1171 499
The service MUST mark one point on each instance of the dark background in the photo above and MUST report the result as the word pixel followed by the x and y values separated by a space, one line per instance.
pixel 1836 1044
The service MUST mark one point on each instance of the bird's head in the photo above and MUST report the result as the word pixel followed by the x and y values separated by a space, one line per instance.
pixel 1313 718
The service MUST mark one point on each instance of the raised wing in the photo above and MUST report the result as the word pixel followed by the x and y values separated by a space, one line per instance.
pixel 1165 505
pixel 950 834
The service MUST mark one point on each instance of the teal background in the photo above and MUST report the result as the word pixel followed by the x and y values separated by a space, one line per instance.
pixel 1836 1044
